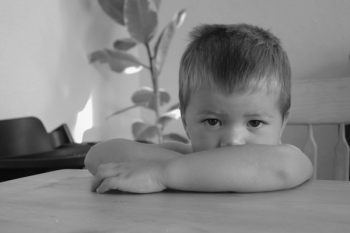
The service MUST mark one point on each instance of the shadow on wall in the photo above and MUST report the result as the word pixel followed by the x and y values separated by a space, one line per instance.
pixel 81 27
pixel 109 90
pixel 73 80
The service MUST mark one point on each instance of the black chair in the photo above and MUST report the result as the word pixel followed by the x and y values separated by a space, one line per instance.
pixel 27 149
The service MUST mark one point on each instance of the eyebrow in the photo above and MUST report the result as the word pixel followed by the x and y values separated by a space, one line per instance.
pixel 263 114
pixel 210 112
pixel 252 115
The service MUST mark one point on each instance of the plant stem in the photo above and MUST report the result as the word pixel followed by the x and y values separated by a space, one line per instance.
pixel 154 76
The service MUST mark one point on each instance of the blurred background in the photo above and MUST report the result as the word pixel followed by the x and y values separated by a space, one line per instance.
pixel 45 72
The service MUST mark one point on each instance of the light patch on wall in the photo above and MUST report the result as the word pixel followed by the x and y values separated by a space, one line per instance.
pixel 132 70
pixel 84 121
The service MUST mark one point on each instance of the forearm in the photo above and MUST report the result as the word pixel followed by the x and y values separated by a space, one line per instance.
pixel 247 168
pixel 123 150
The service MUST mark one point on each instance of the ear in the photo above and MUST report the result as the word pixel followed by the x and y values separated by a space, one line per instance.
pixel 183 118
pixel 284 122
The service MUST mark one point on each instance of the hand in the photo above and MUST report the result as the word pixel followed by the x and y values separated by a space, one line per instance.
pixel 136 177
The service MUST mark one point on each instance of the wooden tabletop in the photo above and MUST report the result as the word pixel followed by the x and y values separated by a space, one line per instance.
pixel 60 201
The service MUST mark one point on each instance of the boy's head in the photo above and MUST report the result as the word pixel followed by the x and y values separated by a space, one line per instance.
pixel 234 58
pixel 241 67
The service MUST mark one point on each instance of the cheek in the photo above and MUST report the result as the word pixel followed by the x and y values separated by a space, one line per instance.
pixel 272 137
pixel 274 140
pixel 265 140
pixel 201 140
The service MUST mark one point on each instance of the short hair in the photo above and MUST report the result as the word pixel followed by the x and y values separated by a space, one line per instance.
pixel 234 58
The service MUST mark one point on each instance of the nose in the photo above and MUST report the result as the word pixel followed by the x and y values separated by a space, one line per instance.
pixel 233 136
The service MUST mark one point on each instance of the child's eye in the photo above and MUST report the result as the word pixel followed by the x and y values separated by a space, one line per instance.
pixel 213 122
pixel 255 123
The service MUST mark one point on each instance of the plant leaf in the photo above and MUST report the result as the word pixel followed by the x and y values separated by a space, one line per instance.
pixel 162 46
pixel 124 44
pixel 175 137
pixel 146 96
pixel 141 19
pixel 142 95
pixel 117 60
pixel 165 118
pixel 125 109
pixel 100 56
pixel 164 98
pixel 114 9
pixel 143 131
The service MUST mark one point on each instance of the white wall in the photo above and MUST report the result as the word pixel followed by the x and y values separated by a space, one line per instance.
pixel 315 33
pixel 44 70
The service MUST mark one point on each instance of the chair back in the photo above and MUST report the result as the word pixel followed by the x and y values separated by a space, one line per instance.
pixel 323 101
pixel 26 148
pixel 21 136
pixel 61 136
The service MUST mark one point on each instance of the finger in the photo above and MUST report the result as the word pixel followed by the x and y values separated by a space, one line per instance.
pixel 108 166
pixel 107 184
pixel 95 182
pixel 104 171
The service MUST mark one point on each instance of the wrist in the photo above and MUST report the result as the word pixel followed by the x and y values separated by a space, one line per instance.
pixel 176 174
pixel 167 173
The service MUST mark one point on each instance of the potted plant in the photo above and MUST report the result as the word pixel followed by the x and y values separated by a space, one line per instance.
pixel 140 17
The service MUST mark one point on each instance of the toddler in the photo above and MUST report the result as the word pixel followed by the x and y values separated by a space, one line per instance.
pixel 235 98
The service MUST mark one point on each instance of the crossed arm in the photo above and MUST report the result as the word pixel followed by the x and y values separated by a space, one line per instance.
pixel 141 168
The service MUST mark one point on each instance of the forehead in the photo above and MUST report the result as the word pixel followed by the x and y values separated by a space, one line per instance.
pixel 230 85
pixel 258 102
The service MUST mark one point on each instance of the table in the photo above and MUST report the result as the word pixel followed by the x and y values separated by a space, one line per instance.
pixel 60 201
